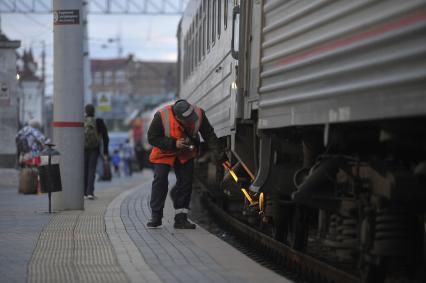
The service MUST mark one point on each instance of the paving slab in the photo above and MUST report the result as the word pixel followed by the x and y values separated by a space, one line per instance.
pixel 109 242
pixel 22 218
pixel 182 255
pixel 74 245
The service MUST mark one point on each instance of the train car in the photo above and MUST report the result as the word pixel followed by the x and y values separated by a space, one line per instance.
pixel 322 105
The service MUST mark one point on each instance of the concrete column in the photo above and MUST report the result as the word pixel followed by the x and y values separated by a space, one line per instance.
pixel 8 101
pixel 88 98
pixel 68 87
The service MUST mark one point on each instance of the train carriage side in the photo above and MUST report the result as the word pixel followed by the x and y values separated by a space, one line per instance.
pixel 341 61
pixel 337 94
pixel 332 130
pixel 207 69
pixel 326 120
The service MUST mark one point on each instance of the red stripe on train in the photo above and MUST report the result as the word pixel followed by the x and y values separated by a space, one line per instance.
pixel 402 22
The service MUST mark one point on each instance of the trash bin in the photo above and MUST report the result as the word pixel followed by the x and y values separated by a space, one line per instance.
pixel 49 173
pixel 50 178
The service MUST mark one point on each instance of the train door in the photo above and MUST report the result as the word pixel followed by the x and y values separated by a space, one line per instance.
pixel 249 65
pixel 243 137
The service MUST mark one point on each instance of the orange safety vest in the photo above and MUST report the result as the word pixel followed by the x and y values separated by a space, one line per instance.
pixel 173 129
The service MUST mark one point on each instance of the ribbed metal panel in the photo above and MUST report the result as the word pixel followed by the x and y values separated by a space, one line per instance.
pixel 339 61
pixel 208 85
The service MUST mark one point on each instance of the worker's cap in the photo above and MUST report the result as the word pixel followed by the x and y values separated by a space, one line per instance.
pixel 184 111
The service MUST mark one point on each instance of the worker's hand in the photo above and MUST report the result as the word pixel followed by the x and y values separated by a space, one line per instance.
pixel 181 144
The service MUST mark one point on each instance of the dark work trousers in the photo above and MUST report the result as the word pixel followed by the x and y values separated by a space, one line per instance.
pixel 90 161
pixel 183 187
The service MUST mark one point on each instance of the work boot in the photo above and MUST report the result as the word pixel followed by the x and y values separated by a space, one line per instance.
pixel 155 222
pixel 181 222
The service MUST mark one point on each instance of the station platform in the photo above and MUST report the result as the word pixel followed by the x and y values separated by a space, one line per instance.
pixel 109 242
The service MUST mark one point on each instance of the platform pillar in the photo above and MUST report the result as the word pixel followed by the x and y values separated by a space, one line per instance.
pixel 68 86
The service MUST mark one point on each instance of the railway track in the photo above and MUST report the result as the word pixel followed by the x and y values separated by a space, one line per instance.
pixel 305 267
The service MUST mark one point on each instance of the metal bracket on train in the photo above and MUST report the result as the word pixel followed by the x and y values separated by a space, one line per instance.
pixel 264 163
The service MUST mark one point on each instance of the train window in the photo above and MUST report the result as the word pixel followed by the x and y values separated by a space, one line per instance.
pixel 190 49
pixel 225 14
pixel 214 6
pixel 193 47
pixel 200 36
pixel 196 39
pixel 219 17
pixel 185 50
pixel 187 55
pixel 204 28
pixel 183 58
pixel 208 24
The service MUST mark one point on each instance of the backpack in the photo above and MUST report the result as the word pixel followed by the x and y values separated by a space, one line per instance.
pixel 91 136
pixel 22 144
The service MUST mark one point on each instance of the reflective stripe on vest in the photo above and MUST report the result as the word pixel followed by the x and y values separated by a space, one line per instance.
pixel 165 117
pixel 166 123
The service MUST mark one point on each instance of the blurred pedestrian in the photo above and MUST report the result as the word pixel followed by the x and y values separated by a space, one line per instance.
pixel 116 160
pixel 95 138
pixel 103 170
pixel 137 135
pixel 173 133
pixel 29 143
pixel 127 158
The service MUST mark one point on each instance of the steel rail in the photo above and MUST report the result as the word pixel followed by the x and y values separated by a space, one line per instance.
pixel 306 266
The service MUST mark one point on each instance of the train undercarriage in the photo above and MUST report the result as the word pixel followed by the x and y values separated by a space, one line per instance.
pixel 356 192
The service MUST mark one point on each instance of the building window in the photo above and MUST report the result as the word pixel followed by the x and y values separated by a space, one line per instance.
pixel 97 78
pixel 108 79
pixel 120 76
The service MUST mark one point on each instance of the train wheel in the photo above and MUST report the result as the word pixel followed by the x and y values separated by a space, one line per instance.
pixel 297 228
pixel 372 273
pixel 278 226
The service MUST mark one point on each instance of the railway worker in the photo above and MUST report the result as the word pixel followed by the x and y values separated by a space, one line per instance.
pixel 173 133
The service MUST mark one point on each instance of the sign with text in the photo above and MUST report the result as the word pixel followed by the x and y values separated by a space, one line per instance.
pixel 66 17
pixel 104 101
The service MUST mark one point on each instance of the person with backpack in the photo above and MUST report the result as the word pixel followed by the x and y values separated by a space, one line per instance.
pixel 95 138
